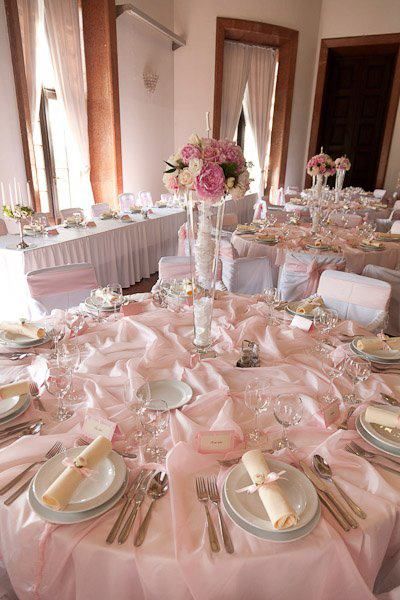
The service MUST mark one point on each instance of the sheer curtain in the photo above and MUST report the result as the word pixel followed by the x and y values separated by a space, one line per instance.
pixel 63 31
pixel 258 102
pixel 236 71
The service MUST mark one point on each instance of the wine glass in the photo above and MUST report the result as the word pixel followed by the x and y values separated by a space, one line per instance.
pixel 116 296
pixel 271 297
pixel 136 405
pixel 55 328
pixel 288 410
pixel 358 369
pixel 155 422
pixel 98 301
pixel 324 320
pixel 333 371
pixel 75 321
pixel 58 383
pixel 258 400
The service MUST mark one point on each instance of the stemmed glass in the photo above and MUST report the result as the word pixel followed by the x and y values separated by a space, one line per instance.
pixel 55 328
pixel 258 400
pixel 98 301
pixel 155 422
pixel 288 410
pixel 58 383
pixel 75 321
pixel 136 405
pixel 271 297
pixel 116 296
pixel 358 369
pixel 333 371
pixel 324 320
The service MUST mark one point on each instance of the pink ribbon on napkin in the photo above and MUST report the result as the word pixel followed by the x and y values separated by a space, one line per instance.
pixel 83 471
pixel 266 481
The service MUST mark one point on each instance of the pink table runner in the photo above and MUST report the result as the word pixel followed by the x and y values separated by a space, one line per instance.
pixel 175 562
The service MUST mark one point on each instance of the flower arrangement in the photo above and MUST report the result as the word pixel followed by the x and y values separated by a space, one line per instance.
pixel 18 212
pixel 343 163
pixel 212 168
pixel 321 164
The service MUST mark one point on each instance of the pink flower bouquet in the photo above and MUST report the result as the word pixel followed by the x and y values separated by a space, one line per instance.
pixel 343 163
pixel 320 164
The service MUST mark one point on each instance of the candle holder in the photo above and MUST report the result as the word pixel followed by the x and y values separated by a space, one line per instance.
pixel 250 356
pixel 22 245
pixel 19 213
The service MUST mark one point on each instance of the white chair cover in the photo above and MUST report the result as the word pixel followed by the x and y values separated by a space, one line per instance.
pixel 259 210
pixel 356 297
pixel 247 275
pixel 3 227
pixel 392 277
pixel 59 287
pixel 68 212
pixel 168 198
pixel 229 221
pixel 301 272
pixel 395 214
pixel 126 201
pixel 99 209
pixel 379 194
pixel 177 267
pixel 395 228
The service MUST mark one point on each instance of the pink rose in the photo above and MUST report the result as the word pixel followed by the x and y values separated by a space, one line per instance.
pixel 211 151
pixel 233 153
pixel 210 182
pixel 190 151
pixel 170 180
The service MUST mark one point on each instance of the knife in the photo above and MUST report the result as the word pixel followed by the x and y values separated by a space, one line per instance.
pixel 332 509
pixel 323 487
pixel 129 496
pixel 140 496
pixel 390 399
pixel 14 428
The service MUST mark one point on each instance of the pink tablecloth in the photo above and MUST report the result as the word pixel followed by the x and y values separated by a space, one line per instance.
pixel 175 563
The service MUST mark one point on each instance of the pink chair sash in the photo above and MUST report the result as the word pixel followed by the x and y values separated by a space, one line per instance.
pixel 355 292
pixel 59 280
pixel 174 270
pixel 313 270
pixel 259 208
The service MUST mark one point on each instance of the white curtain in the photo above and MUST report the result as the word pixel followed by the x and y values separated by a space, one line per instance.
pixel 236 71
pixel 63 31
pixel 258 102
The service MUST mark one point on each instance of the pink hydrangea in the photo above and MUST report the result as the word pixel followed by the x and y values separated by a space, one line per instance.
pixel 231 152
pixel 210 182
pixel 190 151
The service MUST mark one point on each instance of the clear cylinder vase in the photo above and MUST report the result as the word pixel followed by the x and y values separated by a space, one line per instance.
pixel 340 173
pixel 319 182
pixel 204 235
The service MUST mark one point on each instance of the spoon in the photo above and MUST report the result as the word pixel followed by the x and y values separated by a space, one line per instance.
pixel 32 430
pixel 325 472
pixel 157 489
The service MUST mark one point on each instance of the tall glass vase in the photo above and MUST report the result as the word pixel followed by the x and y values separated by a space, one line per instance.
pixel 204 235
pixel 319 182
pixel 340 173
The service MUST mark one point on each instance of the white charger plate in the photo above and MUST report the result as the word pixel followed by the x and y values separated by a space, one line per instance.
pixel 106 307
pixel 298 490
pixel 21 406
pixel 389 436
pixel 66 518
pixel 93 491
pixel 383 447
pixel 382 356
pixel 174 393
pixel 291 308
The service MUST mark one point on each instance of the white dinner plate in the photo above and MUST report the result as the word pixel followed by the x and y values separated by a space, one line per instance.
pixel 174 393
pixel 21 406
pixel 313 247
pixel 107 307
pixel 381 356
pixel 389 436
pixel 275 535
pixel 370 248
pixel 268 242
pixel 291 308
pixel 8 405
pixel 93 491
pixel 298 490
pixel 66 518
pixel 383 447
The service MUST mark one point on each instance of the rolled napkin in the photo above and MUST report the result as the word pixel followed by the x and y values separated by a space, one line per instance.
pixel 60 492
pixel 52 231
pixel 372 243
pixel 374 344
pixel 389 236
pixel 91 224
pixel 107 296
pixel 126 218
pixel 14 389
pixel 245 227
pixel 265 237
pixel 281 514
pixel 380 416
pixel 28 329
pixel 306 306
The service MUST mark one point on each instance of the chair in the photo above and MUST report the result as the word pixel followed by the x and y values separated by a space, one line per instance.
pixel 13 226
pixel 356 297
pixel 168 198
pixel 395 228
pixel 301 272
pixel 173 267
pixel 99 209
pixel 260 208
pixel 392 277
pixel 60 287
pixel 229 222
pixel 3 227
pixel 395 214
pixel 126 201
pixel 247 275
pixel 68 212
pixel 145 199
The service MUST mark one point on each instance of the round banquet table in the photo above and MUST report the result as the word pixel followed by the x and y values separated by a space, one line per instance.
pixel 73 562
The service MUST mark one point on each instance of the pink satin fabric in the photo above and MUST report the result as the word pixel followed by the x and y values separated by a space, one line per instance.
pixel 355 292
pixel 61 280
pixel 313 270
pixel 3 227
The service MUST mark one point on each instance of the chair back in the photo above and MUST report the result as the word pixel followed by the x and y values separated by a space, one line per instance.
pixel 247 275
pixel 145 199
pixel 60 287
pixel 174 267
pixel 3 227
pixel 126 201
pixel 355 297
pixel 229 222
pixel 393 278
pixel 301 271
pixel 259 210
pixel 99 209
pixel 68 212
pixel 13 226
pixel 395 228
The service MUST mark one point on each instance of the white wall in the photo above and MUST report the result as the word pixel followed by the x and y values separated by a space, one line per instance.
pixel 11 156
pixel 147 132
pixel 365 17
pixel 194 64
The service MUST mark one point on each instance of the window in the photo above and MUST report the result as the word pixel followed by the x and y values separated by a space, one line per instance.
pixel 245 138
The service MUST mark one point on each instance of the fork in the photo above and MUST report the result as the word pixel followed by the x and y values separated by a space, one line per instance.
pixel 56 449
pixel 362 452
pixel 371 460
pixel 215 498
pixel 82 442
pixel 53 450
pixel 202 496
pixel 34 392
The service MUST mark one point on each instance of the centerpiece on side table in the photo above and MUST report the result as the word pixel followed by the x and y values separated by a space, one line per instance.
pixel 18 213
pixel 342 165
pixel 206 170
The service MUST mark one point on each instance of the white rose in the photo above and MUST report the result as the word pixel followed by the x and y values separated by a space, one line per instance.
pixel 185 178
pixel 195 166
pixel 195 140
pixel 237 192
pixel 230 182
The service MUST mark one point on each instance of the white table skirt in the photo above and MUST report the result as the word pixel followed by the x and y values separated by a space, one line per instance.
pixel 120 252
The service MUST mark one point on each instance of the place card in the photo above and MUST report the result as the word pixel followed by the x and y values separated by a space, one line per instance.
pixel 52 231
pixel 301 323
pixel 94 426
pixel 133 308
pixel 215 442
pixel 331 413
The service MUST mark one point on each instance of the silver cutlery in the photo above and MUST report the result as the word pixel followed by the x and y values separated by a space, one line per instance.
pixel 344 424
pixel 26 484
pixel 202 496
pixel 157 489
pixel 55 449
pixel 128 497
pixel 324 471
pixel 82 442
pixel 390 399
pixel 234 461
pixel 12 428
pixel 32 430
pixel 323 487
pixel 380 368
pixel 137 501
pixel 368 454
pixel 215 498
pixel 372 461
pixel 34 392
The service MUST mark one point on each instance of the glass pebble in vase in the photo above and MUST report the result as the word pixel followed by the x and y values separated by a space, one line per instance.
pixel 319 182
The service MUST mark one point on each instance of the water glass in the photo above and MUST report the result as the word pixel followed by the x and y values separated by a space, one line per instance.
pixel 257 398
pixel 58 383
pixel 55 328
pixel 98 301
pixel 288 411
pixel 136 406
pixel 333 371
pixel 75 321
pixel 358 369
pixel 271 297
pixel 324 320
pixel 116 296
pixel 156 422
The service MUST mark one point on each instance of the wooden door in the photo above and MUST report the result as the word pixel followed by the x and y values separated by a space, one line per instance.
pixel 354 110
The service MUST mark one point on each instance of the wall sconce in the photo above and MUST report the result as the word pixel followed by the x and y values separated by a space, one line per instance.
pixel 150 80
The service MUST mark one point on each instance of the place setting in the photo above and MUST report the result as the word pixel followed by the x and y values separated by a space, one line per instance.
pixel 381 351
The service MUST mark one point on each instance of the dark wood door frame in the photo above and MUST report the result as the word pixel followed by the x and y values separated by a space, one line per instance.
pixel 285 40
pixel 370 41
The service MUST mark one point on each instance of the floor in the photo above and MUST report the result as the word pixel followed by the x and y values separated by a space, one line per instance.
pixel 144 285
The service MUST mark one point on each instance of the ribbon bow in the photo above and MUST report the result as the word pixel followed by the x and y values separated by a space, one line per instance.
pixel 83 471
pixel 263 480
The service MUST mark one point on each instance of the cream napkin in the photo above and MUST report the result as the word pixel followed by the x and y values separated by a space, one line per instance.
pixel 28 329
pixel 280 512
pixel 380 416
pixel 372 243
pixel 58 495
pixel 306 306
pixel 14 389
pixel 374 344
